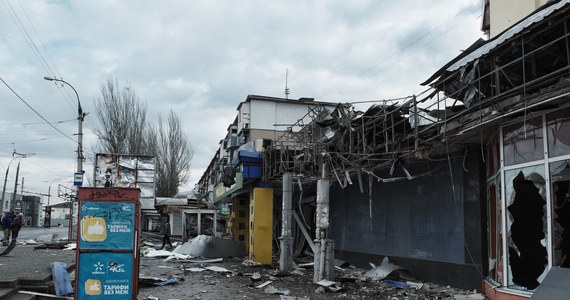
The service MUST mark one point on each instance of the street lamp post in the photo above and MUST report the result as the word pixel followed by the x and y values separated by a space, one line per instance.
pixel 6 179
pixel 80 118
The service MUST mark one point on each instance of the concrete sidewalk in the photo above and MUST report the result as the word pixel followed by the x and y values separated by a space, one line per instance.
pixel 27 268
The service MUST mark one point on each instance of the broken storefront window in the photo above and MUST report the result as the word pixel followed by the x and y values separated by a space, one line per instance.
pixel 526 227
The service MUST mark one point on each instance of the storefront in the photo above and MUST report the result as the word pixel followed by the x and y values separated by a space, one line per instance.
pixel 528 179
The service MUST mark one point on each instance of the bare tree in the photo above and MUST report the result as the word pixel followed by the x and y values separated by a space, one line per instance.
pixel 124 130
pixel 122 121
pixel 173 153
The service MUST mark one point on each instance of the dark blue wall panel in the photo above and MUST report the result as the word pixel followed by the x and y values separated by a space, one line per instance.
pixel 418 218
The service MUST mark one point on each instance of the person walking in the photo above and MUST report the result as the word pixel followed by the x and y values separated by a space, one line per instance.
pixel 167 232
pixel 17 225
pixel 7 220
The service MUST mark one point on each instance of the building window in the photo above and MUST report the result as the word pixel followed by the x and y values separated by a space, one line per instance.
pixel 526 226
pixel 523 142
pixel 528 188
pixel 560 179
pixel 558 130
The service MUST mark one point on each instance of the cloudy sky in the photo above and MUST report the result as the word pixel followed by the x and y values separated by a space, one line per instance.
pixel 201 59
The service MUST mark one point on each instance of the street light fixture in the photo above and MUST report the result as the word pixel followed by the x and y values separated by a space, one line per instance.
pixel 20 156
pixel 80 118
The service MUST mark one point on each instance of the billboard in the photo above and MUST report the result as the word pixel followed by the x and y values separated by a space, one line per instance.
pixel 127 171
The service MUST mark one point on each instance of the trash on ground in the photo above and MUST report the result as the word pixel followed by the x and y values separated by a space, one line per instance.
pixel 195 269
pixel 157 281
pixel 256 276
pixel 61 278
pixel 251 263
pixel 310 264
pixel 70 246
pixel 388 269
pixel 264 284
pixel 397 284
pixel 273 290
pixel 218 269
pixel 326 283
pixel 416 285
pixel 211 247
pixel 206 261
pixel 284 297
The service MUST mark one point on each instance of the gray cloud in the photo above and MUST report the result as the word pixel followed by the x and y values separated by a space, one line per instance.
pixel 202 58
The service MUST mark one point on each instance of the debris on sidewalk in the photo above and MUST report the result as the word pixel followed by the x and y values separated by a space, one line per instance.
pixel 326 283
pixel 273 290
pixel 283 297
pixel 330 285
pixel 264 284
pixel 211 247
pixel 157 281
pixel 388 269
pixel 255 276
pixel 61 279
pixel 218 269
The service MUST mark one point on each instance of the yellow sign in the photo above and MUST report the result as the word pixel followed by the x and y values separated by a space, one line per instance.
pixel 93 229
pixel 93 287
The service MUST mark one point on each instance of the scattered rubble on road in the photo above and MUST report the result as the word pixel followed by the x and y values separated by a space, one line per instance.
pixel 250 280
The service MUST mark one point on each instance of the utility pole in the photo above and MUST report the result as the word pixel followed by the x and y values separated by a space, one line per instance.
pixel 80 117
pixel 16 183
pixel 18 156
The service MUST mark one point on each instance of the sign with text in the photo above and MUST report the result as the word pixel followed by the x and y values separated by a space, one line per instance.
pixel 108 228
pixel 105 275
pixel 107 225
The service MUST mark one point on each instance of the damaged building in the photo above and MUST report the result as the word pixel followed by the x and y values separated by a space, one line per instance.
pixel 464 185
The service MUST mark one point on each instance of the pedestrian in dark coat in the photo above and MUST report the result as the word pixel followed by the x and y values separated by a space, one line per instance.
pixel 17 225
pixel 7 220
pixel 166 238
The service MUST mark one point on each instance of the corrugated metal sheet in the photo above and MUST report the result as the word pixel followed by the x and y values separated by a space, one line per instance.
pixel 509 33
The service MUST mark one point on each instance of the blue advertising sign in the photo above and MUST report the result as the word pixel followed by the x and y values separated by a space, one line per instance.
pixel 105 275
pixel 107 226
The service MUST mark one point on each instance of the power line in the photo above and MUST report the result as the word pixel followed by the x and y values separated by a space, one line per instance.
pixel 409 45
pixel 26 35
pixel 34 140
pixel 38 123
pixel 37 35
pixel 36 112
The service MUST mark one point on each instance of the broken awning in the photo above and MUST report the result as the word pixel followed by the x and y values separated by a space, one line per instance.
pixel 503 37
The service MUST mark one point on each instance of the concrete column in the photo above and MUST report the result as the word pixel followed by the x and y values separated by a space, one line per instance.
pixel 286 239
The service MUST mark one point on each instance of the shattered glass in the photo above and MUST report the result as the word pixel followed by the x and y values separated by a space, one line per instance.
pixel 523 142
pixel 560 210
pixel 558 128
pixel 527 257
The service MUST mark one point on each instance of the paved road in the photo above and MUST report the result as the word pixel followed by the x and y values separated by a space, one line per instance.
pixel 31 233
